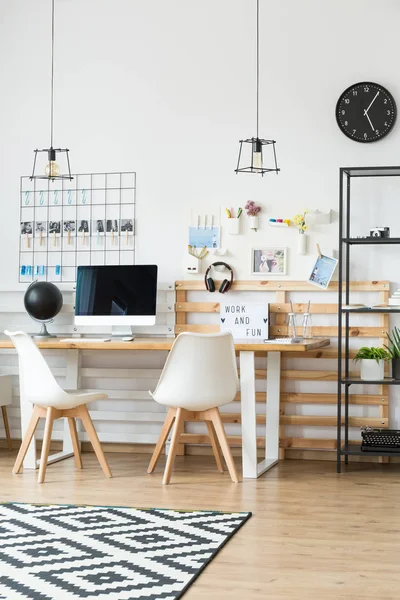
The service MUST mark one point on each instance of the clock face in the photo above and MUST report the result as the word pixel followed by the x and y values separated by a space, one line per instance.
pixel 366 112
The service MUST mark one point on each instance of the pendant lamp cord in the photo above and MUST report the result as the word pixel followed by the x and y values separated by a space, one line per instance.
pixel 258 58
pixel 52 75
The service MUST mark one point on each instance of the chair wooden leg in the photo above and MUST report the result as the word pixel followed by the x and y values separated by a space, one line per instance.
pixel 84 415
pixel 48 428
pixel 75 442
pixel 220 431
pixel 173 448
pixel 6 427
pixel 166 428
pixel 215 447
pixel 27 439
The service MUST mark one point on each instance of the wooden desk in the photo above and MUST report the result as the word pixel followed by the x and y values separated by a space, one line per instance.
pixel 251 468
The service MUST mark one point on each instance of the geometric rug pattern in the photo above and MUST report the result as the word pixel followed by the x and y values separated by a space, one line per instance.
pixel 65 552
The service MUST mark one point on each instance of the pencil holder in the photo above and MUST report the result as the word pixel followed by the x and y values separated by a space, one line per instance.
pixel 193 264
pixel 233 226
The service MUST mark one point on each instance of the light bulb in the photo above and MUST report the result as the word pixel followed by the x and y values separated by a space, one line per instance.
pixel 257 154
pixel 52 169
pixel 257 160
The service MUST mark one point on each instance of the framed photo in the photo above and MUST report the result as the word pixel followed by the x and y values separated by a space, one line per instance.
pixel 322 271
pixel 270 260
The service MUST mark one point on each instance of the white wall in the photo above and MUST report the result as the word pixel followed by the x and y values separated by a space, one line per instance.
pixel 167 88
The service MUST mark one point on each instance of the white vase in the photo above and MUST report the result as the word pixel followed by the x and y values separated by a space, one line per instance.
pixel 372 370
pixel 253 222
pixel 302 243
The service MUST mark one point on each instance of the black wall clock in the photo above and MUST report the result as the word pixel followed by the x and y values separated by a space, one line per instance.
pixel 366 112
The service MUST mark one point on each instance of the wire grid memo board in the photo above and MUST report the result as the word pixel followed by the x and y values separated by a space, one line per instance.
pixel 64 224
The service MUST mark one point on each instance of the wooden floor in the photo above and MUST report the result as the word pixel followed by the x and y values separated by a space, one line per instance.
pixel 313 535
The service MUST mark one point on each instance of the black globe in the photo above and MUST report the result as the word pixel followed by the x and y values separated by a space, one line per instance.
pixel 43 300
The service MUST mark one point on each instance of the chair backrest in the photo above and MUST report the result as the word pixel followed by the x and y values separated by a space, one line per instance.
pixel 35 378
pixel 200 371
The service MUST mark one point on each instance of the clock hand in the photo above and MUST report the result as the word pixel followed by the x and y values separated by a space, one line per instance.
pixel 367 109
pixel 365 114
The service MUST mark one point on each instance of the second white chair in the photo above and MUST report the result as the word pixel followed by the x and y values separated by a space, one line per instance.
pixel 38 385
pixel 199 375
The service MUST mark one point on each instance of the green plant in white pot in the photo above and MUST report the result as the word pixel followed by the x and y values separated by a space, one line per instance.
pixel 372 362
pixel 394 351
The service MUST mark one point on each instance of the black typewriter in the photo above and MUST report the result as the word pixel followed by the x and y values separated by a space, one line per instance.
pixel 380 440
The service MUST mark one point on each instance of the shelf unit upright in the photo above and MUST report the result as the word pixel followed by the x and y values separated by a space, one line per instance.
pixel 345 379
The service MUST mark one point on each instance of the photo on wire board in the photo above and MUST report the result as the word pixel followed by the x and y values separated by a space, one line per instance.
pixel 112 225
pixel 99 226
pixel 26 227
pixel 127 225
pixel 41 227
pixel 54 226
pixel 83 226
pixel 268 261
pixel 322 271
pixel 204 236
pixel 70 226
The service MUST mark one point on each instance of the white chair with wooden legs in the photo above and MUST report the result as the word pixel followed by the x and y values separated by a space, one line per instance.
pixel 199 375
pixel 50 401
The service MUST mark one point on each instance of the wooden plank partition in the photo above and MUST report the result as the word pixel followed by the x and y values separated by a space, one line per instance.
pixel 278 297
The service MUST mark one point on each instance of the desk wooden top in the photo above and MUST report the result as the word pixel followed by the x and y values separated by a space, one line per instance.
pixel 165 344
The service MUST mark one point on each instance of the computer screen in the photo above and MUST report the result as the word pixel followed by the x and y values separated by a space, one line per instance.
pixel 116 295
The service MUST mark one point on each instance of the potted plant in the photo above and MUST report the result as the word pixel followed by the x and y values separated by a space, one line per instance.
pixel 372 362
pixel 394 351
pixel 253 211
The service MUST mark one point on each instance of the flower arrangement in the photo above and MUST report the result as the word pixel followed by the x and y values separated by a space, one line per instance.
pixel 300 222
pixel 252 208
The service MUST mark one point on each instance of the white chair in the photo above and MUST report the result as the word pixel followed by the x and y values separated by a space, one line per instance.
pixel 199 375
pixel 37 385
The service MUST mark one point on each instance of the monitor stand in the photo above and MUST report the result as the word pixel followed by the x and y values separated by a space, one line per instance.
pixel 124 331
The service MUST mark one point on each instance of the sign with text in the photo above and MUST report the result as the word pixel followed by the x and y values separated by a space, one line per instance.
pixel 245 320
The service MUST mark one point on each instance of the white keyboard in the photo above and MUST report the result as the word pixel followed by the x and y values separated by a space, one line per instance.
pixel 84 340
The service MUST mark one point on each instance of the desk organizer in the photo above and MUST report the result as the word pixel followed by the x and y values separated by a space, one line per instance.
pixel 64 224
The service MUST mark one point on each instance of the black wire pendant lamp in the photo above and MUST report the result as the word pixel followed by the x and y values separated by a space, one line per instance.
pixel 52 170
pixel 251 150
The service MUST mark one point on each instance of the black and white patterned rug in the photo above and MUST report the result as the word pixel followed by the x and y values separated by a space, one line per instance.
pixel 63 552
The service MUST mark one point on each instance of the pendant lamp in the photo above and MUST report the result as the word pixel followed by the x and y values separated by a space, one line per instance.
pixel 253 151
pixel 52 170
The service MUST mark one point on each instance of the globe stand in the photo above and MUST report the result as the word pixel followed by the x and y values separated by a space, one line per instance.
pixel 43 333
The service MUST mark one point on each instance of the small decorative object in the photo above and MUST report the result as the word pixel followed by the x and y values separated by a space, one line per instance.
pixel 394 351
pixel 292 329
pixel 41 230
pixel 366 112
pixel 268 261
pixel 300 222
pixel 279 222
pixel 70 229
pixel 43 301
pixel 372 363
pixel 322 271
pixel 254 162
pixel 318 217
pixel 253 210
pixel 233 222
pixel 193 261
pixel 307 325
pixel 52 170
pixel 380 232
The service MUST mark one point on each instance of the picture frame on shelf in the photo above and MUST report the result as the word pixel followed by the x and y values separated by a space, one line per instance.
pixel 269 260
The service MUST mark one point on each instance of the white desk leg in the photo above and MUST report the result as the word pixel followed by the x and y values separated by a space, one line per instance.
pixel 71 383
pixel 272 412
pixel 248 408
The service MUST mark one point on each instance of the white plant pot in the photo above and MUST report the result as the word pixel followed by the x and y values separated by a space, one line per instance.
pixel 370 369
pixel 302 243
pixel 253 222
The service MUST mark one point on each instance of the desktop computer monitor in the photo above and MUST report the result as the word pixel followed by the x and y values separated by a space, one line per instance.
pixel 116 295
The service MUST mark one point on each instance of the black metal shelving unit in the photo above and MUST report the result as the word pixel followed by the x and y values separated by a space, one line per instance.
pixel 346 174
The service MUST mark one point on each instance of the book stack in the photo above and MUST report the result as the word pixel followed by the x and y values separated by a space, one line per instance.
pixel 394 300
